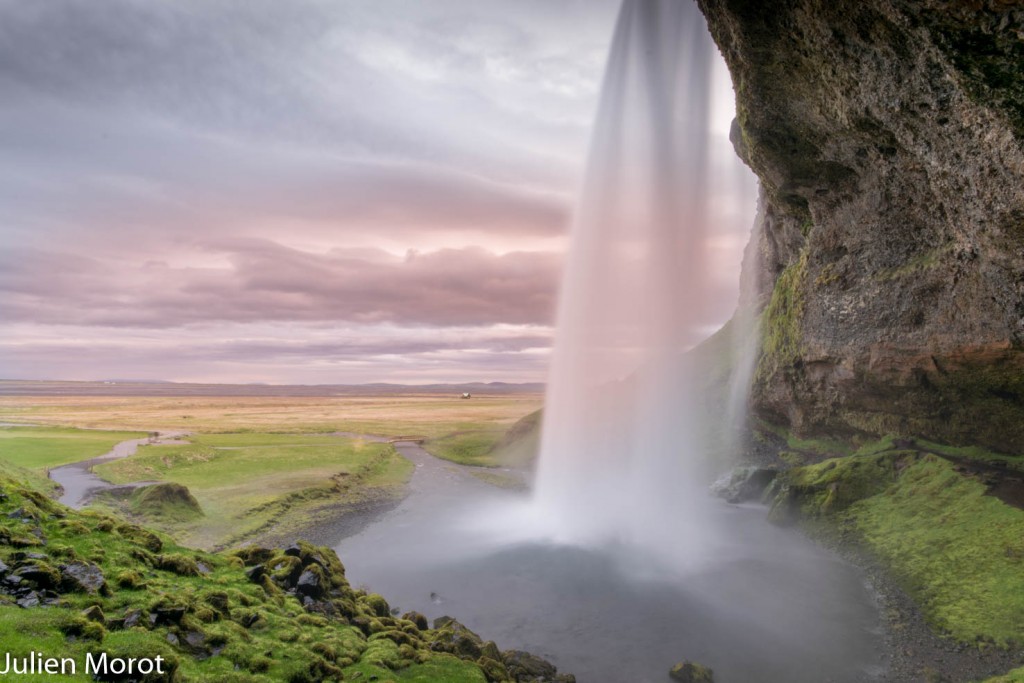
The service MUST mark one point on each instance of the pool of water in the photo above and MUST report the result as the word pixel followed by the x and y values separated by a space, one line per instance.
pixel 762 604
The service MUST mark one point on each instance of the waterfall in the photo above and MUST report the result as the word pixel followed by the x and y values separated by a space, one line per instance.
pixel 622 456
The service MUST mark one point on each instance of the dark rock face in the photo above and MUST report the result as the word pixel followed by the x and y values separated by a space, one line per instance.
pixel 888 138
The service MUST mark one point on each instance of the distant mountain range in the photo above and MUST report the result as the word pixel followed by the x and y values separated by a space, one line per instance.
pixel 128 387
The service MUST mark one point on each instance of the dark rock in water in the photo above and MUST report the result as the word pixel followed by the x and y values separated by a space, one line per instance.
pixel 81 577
pixel 691 672
pixel 494 671
pixel 451 636
pixel 490 650
pixel 744 484
pixel 523 666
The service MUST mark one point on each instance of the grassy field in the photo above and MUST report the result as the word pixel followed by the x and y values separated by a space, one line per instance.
pixel 259 468
pixel 424 415
pixel 496 446
pixel 38 449
pixel 249 485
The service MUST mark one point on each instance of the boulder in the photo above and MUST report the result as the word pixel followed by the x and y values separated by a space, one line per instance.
pixel 311 583
pixel 691 672
pixel 94 613
pixel 744 483
pixel 452 637
pixel 81 577
pixel 418 619
pixel 523 666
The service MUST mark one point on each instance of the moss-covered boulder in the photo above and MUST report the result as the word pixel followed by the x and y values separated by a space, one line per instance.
pixel 691 672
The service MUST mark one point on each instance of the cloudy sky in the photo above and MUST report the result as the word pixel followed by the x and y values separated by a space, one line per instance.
pixel 312 191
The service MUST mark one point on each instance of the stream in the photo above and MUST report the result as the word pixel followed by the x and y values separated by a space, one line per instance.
pixel 79 482
pixel 768 606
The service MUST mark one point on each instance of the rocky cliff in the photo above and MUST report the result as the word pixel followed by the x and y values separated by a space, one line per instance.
pixel 889 139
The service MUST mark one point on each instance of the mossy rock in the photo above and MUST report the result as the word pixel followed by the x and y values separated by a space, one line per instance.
pixel 182 565
pixel 377 604
pixel 167 501
pixel 691 672
pixel 138 535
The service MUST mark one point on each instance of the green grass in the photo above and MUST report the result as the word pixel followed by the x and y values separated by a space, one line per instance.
pixel 263 634
pixel 1015 676
pixel 514 446
pixel 28 478
pixel 44 447
pixel 249 485
pixel 474 448
pixel 959 552
pixel 956 550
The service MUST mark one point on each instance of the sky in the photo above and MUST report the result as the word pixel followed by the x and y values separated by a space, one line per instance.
pixel 313 192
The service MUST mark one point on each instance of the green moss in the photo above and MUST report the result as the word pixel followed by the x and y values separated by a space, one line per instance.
pixel 959 552
pixel 780 322
pixel 813 448
pixel 260 635
pixel 956 550
pixel 170 502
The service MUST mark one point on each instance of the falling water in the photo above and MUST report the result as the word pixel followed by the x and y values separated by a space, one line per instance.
pixel 622 453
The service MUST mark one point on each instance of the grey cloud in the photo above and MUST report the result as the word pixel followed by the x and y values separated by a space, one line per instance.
pixel 300 353
pixel 270 282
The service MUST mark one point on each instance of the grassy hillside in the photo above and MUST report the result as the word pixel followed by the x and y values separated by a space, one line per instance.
pixel 500 446
pixel 947 523
pixel 248 484
pixel 73 583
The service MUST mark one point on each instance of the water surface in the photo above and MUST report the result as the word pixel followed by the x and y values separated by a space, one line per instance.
pixel 767 606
